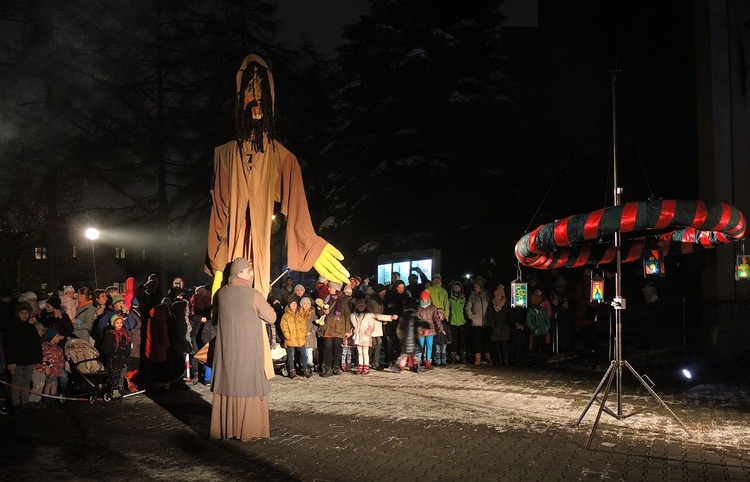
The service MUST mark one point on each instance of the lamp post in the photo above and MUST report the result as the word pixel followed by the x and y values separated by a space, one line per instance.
pixel 93 235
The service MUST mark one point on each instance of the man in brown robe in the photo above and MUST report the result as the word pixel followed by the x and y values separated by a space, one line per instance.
pixel 250 174
pixel 242 363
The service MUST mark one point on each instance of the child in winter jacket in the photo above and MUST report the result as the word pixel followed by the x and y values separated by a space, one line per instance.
pixel 429 315
pixel 53 362
pixel 363 323
pixel 538 322
pixel 294 328
pixel 311 337
pixel 116 346
pixel 409 332
pixel 348 348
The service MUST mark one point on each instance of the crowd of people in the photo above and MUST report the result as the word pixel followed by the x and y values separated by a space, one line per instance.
pixel 137 337
pixel 145 339
pixel 331 328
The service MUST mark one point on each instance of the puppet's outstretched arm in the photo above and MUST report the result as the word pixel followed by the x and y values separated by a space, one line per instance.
pixel 329 266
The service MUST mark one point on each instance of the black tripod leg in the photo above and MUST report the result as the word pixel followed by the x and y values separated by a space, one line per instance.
pixel 658 399
pixel 601 407
pixel 596 392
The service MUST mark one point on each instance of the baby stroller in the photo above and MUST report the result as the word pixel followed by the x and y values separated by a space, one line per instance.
pixel 278 355
pixel 88 377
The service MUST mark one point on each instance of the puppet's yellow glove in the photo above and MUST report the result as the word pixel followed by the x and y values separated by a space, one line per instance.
pixel 218 278
pixel 329 266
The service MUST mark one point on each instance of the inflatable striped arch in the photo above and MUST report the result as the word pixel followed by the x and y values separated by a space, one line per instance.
pixel 674 226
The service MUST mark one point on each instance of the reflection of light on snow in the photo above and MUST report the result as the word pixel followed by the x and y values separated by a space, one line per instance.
pixel 368 247
pixel 329 222
pixel 418 52
pixel 510 402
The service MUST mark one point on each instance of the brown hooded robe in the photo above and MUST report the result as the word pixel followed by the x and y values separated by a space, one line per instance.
pixel 240 380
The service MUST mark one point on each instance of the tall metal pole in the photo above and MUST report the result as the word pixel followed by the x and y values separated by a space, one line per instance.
pixel 618 249
pixel 614 372
pixel 93 258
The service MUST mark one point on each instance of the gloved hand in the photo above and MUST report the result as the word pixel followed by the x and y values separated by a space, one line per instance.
pixel 218 278
pixel 328 265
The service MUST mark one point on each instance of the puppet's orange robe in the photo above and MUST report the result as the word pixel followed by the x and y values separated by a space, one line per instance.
pixel 243 197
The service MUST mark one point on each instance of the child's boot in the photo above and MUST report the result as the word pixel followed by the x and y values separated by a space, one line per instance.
pixel 130 380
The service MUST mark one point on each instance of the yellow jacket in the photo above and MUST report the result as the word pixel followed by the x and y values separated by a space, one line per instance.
pixel 294 328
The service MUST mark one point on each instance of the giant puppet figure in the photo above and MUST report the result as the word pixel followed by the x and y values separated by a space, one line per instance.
pixel 250 174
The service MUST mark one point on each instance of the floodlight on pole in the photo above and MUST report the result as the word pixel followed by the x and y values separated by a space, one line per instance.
pixel 93 235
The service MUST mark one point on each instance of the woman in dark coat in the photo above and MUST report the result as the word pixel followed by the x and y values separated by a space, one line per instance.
pixel 497 316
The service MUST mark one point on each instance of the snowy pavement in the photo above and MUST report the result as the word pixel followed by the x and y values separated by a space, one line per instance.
pixel 456 423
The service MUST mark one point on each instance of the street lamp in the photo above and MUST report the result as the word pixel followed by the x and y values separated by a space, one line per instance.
pixel 93 235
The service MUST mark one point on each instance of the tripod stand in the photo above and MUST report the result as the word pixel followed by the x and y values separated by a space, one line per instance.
pixel 614 372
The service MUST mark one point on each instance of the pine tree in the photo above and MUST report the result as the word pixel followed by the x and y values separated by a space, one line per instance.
pixel 423 117
pixel 122 103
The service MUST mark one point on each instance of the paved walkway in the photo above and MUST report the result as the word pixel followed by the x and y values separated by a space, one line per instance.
pixel 455 423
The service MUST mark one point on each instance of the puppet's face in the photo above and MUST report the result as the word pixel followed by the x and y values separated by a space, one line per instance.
pixel 254 94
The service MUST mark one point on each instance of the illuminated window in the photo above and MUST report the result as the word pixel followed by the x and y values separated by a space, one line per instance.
pixel 75 252
pixel 120 253
pixel 40 253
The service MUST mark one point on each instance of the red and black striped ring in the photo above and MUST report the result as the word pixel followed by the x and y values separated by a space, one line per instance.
pixel 675 226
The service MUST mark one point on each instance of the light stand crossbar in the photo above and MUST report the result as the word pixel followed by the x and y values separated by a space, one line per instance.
pixel 614 372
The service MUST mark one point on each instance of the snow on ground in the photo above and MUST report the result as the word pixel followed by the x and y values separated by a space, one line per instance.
pixel 512 400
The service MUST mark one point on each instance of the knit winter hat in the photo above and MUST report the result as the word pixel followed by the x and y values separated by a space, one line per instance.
pixel 24 306
pixel 51 333
pixel 55 302
pixel 68 289
pixel 114 317
pixel 425 295
pixel 27 296
pixel 335 285
pixel 298 287
pixel 360 302
pixel 117 299
pixel 305 298
pixel 292 299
